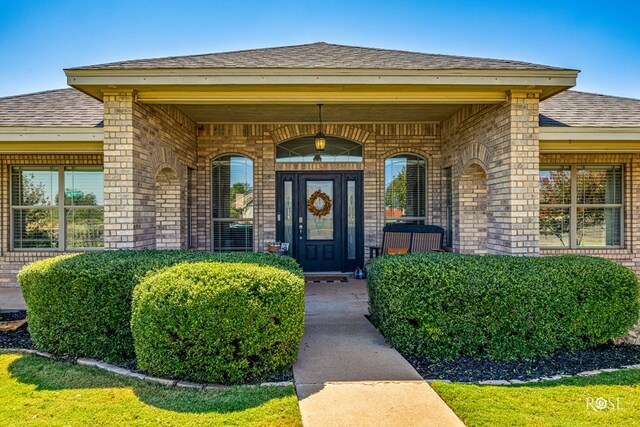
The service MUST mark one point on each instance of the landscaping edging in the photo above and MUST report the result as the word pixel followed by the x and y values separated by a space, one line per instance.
pixel 129 373
pixel 535 380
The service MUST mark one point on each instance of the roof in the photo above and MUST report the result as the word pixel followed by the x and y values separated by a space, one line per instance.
pixel 60 107
pixel 574 108
pixel 322 55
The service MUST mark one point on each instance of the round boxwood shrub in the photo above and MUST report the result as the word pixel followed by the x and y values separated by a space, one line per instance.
pixel 80 304
pixel 215 322
pixel 501 307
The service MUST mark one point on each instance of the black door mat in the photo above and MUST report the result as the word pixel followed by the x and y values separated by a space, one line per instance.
pixel 326 279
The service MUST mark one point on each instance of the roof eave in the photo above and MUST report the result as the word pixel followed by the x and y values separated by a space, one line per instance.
pixel 93 80
pixel 589 133
pixel 51 133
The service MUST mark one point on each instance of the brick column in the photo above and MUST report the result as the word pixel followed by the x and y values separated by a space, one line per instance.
pixel 124 210
pixel 513 179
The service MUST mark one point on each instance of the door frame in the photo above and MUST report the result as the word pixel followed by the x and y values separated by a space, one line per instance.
pixel 296 177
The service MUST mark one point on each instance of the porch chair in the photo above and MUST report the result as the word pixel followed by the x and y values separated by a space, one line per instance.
pixel 409 238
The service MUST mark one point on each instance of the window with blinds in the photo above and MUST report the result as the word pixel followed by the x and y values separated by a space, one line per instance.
pixel 581 206
pixel 405 189
pixel 56 207
pixel 232 203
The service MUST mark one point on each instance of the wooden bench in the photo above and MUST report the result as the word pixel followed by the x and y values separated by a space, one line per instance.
pixel 409 238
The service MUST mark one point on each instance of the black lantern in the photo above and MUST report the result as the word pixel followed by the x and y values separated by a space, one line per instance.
pixel 320 139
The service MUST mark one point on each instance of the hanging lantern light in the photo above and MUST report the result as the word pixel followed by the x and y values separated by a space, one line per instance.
pixel 320 139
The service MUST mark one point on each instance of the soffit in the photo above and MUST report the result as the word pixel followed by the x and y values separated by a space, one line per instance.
pixel 309 113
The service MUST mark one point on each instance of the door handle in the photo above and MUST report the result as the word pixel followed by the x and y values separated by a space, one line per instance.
pixel 300 230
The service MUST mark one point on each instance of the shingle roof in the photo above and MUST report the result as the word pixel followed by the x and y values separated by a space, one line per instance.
pixel 60 107
pixel 323 55
pixel 574 108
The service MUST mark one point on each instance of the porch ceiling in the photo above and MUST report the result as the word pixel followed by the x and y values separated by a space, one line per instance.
pixel 303 113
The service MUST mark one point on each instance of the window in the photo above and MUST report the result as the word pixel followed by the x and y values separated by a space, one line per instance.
pixel 581 206
pixel 304 150
pixel 405 189
pixel 42 195
pixel 232 203
pixel 448 175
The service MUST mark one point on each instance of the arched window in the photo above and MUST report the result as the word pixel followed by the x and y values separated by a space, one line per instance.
pixel 232 204
pixel 405 189
pixel 304 150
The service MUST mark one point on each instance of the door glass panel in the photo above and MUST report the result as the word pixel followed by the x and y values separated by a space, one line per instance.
pixel 320 210
pixel 351 220
pixel 288 212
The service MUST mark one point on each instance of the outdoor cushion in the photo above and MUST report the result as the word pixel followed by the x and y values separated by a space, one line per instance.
pixel 397 251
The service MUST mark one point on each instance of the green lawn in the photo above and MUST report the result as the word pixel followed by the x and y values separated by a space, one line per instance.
pixel 553 403
pixel 41 392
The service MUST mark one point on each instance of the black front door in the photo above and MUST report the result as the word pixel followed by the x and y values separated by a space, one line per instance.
pixel 320 216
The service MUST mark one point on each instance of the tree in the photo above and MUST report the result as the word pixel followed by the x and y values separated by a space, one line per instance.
pixel 395 195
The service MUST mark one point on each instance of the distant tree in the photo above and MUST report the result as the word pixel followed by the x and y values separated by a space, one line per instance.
pixel 395 195
pixel 38 226
pixel 238 188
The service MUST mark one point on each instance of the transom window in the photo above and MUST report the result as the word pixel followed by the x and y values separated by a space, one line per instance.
pixel 405 189
pixel 581 206
pixel 232 203
pixel 57 207
pixel 304 150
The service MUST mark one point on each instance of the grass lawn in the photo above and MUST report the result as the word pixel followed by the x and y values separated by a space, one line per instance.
pixel 554 403
pixel 41 392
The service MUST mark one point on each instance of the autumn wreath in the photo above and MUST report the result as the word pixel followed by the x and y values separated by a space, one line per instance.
pixel 326 200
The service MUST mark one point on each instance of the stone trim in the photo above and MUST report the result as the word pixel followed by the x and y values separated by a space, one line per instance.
pixel 293 131
pixel 138 375
pixel 540 379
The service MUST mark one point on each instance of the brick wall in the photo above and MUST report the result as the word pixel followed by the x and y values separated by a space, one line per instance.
pixel 471 229
pixel 503 141
pixel 140 141
pixel 258 142
pixel 12 261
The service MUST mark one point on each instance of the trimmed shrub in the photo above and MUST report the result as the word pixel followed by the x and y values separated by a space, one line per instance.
pixel 80 304
pixel 500 307
pixel 215 322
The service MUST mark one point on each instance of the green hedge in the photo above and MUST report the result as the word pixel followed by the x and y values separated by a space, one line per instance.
pixel 214 322
pixel 500 307
pixel 81 304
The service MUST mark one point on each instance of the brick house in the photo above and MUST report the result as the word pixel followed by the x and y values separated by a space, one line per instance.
pixel 217 152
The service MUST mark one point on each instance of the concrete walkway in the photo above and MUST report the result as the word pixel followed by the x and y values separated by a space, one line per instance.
pixel 346 375
pixel 11 299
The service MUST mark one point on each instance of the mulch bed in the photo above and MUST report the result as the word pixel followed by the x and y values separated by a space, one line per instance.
pixel 7 316
pixel 468 369
pixel 13 330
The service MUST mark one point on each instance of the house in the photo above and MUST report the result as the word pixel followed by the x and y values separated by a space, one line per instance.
pixel 318 145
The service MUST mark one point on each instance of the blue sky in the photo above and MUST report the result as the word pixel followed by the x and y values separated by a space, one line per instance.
pixel 40 38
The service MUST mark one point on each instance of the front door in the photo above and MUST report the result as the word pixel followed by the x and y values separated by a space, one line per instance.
pixel 320 216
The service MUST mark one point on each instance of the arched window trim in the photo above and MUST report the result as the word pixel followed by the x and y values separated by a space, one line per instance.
pixel 229 230
pixel 308 154
pixel 421 192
